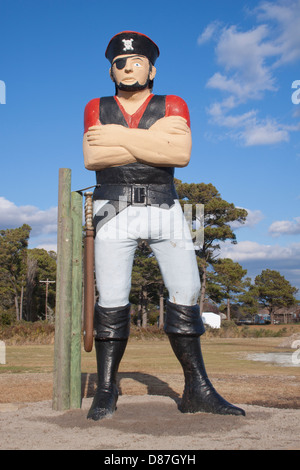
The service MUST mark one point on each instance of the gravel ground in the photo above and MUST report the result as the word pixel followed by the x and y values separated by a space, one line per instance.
pixel 146 422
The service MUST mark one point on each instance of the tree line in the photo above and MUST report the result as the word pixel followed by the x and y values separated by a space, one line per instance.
pixel 27 276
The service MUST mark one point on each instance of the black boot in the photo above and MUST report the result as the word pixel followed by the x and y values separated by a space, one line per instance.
pixel 109 354
pixel 184 326
pixel 112 331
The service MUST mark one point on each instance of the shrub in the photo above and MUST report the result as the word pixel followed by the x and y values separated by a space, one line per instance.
pixel 23 332
pixel 228 329
pixel 7 317
pixel 151 332
pixel 247 332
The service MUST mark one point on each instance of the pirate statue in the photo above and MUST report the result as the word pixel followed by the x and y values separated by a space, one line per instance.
pixel 133 141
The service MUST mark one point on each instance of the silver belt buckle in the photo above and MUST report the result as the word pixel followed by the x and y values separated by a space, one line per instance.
pixel 139 195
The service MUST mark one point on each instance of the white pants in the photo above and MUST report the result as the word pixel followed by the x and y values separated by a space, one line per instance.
pixel 168 235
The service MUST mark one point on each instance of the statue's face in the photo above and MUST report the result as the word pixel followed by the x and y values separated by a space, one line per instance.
pixel 132 72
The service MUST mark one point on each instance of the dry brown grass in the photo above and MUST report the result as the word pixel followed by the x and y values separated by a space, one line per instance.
pixel 150 367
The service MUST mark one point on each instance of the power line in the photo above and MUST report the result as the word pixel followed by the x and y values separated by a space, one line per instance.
pixel 47 282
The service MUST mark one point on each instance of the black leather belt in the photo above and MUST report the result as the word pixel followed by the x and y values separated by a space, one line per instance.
pixel 137 194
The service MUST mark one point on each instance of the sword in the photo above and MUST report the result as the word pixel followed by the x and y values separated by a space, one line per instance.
pixel 89 282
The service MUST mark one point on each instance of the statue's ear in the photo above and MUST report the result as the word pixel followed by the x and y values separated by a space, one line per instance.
pixel 111 75
pixel 152 73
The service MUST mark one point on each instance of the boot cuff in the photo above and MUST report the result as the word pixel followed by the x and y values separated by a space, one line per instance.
pixel 183 320
pixel 112 323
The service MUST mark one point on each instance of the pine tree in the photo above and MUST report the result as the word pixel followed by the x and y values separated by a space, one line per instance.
pixel 41 266
pixel 230 280
pixel 13 263
pixel 146 281
pixel 218 217
pixel 274 291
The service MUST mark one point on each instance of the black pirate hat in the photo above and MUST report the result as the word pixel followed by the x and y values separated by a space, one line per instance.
pixel 131 42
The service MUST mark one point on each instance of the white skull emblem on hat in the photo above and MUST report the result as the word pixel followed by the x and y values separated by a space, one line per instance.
pixel 127 44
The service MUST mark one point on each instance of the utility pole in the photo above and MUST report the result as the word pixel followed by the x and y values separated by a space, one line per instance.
pixel 47 282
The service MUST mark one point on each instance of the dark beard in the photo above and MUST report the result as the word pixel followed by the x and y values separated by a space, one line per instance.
pixel 134 87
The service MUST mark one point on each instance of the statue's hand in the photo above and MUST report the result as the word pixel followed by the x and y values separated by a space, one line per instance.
pixel 171 125
pixel 107 135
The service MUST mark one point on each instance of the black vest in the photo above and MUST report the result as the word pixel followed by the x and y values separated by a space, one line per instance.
pixel 120 181
pixel 134 173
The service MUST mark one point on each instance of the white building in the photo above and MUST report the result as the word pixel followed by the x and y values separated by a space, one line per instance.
pixel 211 319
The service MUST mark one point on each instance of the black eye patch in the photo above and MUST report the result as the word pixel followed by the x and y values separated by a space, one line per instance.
pixel 120 63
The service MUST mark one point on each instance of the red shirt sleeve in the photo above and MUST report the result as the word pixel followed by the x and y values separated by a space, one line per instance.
pixel 176 106
pixel 91 114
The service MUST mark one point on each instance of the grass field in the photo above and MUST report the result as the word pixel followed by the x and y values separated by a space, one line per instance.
pixel 150 367
pixel 150 355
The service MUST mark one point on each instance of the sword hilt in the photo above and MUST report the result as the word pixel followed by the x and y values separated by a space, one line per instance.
pixel 89 287
pixel 88 210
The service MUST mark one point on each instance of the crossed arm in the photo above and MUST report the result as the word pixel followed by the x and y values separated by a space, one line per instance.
pixel 166 143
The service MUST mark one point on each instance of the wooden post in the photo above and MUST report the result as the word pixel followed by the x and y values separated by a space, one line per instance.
pixel 75 377
pixel 63 313
pixel 67 346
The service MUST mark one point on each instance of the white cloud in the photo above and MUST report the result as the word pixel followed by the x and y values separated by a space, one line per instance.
pixel 218 110
pixel 48 244
pixel 249 59
pixel 244 54
pixel 286 14
pixel 253 218
pixel 265 133
pixel 209 32
pixel 296 112
pixel 256 257
pixel 285 227
pixel 42 222
pixel 247 128
pixel 253 251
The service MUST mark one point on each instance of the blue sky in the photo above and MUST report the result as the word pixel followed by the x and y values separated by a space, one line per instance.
pixel 233 62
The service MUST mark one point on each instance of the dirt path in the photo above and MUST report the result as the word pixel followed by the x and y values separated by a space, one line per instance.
pixel 148 423
pixel 147 417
